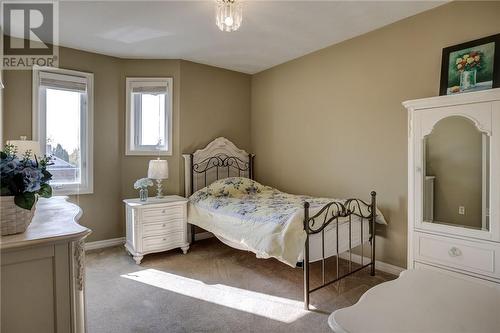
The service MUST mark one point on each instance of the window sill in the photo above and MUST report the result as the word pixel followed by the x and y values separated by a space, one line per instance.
pixel 71 191
pixel 147 153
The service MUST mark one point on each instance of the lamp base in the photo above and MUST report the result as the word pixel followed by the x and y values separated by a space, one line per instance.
pixel 159 193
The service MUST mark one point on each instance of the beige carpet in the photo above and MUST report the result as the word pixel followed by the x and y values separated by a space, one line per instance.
pixel 213 288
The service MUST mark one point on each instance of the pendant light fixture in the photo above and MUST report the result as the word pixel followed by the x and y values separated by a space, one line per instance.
pixel 228 14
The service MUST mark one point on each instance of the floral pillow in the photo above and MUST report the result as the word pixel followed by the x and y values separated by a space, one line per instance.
pixel 234 187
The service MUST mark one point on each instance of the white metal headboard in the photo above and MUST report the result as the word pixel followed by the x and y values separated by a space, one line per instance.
pixel 218 160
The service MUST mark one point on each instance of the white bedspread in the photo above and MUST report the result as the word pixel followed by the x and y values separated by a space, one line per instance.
pixel 261 219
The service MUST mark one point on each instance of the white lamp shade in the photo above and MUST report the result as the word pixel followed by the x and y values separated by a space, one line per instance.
pixel 25 145
pixel 158 169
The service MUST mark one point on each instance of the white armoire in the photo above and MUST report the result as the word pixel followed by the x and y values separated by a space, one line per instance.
pixel 454 183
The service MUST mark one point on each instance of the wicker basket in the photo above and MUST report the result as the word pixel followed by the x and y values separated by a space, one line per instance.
pixel 14 219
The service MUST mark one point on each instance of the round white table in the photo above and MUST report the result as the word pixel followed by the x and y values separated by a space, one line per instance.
pixel 422 300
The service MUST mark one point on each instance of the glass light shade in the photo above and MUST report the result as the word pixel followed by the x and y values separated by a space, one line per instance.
pixel 228 14
pixel 158 169
pixel 25 145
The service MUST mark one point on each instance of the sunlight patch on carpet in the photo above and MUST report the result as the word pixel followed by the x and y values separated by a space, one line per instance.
pixel 277 308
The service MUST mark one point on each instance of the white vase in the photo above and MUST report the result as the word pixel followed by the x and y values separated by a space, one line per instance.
pixel 468 79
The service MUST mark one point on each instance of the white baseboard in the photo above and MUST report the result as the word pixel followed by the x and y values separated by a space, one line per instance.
pixel 203 235
pixel 121 240
pixel 380 265
pixel 104 243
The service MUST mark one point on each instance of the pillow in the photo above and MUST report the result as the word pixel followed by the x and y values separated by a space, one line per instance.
pixel 234 187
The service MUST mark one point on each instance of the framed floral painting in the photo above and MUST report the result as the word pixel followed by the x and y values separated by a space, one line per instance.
pixel 471 66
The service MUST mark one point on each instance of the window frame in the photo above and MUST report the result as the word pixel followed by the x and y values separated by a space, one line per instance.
pixel 131 124
pixel 87 135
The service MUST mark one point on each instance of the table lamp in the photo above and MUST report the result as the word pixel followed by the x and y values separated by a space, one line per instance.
pixel 24 146
pixel 158 170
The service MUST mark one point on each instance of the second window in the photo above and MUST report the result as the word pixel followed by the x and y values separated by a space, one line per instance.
pixel 149 116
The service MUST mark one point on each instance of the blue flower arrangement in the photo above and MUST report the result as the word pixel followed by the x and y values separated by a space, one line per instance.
pixel 24 177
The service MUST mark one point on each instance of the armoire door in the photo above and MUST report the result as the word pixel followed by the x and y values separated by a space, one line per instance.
pixel 456 170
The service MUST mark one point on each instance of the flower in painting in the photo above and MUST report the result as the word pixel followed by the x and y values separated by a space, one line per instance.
pixel 469 61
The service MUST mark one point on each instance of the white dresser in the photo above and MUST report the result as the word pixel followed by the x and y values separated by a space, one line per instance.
pixel 422 301
pixel 156 225
pixel 43 272
pixel 454 220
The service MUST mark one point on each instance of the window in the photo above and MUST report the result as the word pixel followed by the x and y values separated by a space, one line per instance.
pixel 149 116
pixel 62 122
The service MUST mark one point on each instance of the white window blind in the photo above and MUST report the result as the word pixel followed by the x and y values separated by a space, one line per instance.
pixel 153 90
pixel 63 82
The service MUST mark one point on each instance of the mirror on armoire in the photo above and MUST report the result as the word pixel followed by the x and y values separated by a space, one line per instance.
pixel 456 174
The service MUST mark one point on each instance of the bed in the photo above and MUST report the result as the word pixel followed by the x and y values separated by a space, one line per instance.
pixel 295 229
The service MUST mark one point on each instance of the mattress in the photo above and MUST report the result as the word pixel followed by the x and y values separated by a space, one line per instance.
pixel 249 216
pixel 315 242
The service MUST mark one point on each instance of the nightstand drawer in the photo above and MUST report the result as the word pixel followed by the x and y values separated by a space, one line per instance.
pixel 475 257
pixel 162 242
pixel 162 213
pixel 162 228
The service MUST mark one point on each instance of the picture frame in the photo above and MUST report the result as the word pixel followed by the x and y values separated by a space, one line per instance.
pixel 471 66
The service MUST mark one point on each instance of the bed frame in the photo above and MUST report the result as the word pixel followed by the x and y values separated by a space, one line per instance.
pixel 218 160
pixel 330 213
pixel 222 159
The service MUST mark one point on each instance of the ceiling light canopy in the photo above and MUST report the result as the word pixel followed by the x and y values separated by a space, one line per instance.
pixel 228 14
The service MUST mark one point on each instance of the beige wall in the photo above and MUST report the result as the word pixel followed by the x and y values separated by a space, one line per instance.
pixel 331 123
pixel 205 91
pixel 454 158
pixel 214 103
pixel 135 167
pixel 101 209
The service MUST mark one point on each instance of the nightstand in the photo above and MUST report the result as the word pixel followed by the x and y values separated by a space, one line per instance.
pixel 156 225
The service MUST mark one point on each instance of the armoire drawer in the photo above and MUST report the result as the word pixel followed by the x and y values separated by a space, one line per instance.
pixel 472 256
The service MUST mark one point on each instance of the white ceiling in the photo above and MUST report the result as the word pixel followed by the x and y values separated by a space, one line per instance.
pixel 272 32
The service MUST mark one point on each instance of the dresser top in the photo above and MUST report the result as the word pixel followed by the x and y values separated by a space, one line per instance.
pixel 422 300
pixel 55 220
pixel 155 201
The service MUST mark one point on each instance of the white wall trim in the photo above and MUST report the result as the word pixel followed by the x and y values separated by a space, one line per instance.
pixel 121 240
pixel 104 243
pixel 379 265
